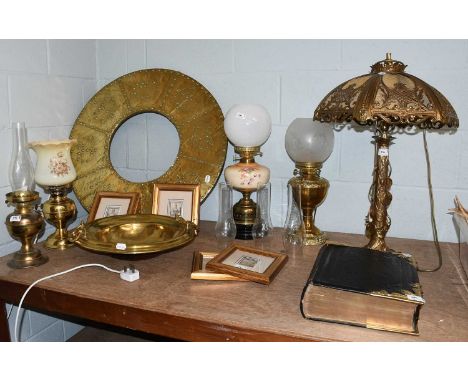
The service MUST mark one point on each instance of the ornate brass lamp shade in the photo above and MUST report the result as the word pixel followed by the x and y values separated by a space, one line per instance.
pixel 387 99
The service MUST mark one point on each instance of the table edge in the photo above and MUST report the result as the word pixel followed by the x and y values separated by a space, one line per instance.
pixel 153 322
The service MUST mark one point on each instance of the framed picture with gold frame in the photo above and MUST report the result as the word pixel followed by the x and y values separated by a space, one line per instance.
pixel 114 203
pixel 199 271
pixel 177 200
pixel 248 263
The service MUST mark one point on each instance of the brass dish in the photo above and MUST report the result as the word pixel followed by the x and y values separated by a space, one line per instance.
pixel 134 234
pixel 186 103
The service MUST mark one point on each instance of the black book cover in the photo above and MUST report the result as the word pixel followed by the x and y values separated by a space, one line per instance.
pixel 365 270
pixel 381 275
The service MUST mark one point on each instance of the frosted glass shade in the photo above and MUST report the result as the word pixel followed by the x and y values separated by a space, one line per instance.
pixel 247 125
pixel 308 141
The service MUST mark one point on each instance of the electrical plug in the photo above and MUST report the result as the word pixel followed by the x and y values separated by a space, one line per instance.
pixel 129 273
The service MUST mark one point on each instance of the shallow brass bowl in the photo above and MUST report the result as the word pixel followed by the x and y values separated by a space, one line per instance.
pixel 134 234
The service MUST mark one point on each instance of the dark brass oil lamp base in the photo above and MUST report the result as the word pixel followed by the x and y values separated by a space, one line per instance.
pixel 59 210
pixel 244 213
pixel 309 191
pixel 24 224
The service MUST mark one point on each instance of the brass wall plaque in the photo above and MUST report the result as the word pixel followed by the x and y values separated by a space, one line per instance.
pixel 186 103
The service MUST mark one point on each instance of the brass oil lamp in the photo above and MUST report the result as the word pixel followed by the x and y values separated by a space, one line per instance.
pixel 309 144
pixel 25 223
pixel 247 127
pixel 55 173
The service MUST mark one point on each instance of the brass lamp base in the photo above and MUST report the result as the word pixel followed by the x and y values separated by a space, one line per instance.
pixel 22 260
pixel 59 210
pixel 314 238
pixel 58 240
pixel 244 212
pixel 24 224
pixel 309 192
pixel 377 220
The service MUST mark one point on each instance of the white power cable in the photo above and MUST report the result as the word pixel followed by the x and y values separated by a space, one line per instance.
pixel 49 277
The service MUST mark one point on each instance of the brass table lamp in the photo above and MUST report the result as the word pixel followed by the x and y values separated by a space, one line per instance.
pixel 247 128
pixel 385 100
pixel 309 144
pixel 25 222
pixel 55 173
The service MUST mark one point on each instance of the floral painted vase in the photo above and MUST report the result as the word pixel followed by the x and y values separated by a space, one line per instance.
pixel 246 176
pixel 54 165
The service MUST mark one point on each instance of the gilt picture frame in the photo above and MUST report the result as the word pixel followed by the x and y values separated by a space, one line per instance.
pixel 199 271
pixel 177 200
pixel 107 204
pixel 248 263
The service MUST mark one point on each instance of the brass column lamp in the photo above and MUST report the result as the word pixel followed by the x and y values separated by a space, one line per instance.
pixel 377 220
pixel 55 173
pixel 248 127
pixel 25 222
pixel 244 211
pixel 309 144
pixel 385 100
pixel 59 210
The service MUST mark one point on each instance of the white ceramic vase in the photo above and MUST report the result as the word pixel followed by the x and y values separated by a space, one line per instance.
pixel 246 176
pixel 54 166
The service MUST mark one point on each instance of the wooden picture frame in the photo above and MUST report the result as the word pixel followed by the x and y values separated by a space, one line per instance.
pixel 248 263
pixel 199 271
pixel 177 200
pixel 114 203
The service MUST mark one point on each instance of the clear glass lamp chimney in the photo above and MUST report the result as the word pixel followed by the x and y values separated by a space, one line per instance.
pixel 21 169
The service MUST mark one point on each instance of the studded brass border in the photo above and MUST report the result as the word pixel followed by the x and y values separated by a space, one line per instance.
pixel 186 103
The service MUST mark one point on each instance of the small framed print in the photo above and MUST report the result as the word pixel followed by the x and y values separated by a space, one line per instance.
pixel 248 263
pixel 199 271
pixel 177 200
pixel 114 203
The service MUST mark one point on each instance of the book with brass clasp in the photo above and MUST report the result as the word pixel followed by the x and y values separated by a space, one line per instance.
pixel 364 287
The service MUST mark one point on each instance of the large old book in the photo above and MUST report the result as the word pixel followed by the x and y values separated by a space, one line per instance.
pixel 363 287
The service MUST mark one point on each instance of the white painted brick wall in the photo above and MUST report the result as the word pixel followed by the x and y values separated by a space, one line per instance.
pixel 191 56
pixel 290 77
pixel 27 56
pixel 79 61
pixel 286 55
pixel 45 84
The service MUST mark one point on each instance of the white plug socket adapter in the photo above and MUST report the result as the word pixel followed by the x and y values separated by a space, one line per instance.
pixel 129 273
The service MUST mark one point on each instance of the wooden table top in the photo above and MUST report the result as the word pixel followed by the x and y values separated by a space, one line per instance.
pixel 167 302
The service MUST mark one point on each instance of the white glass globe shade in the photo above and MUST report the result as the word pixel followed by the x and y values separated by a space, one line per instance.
pixel 309 141
pixel 247 125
